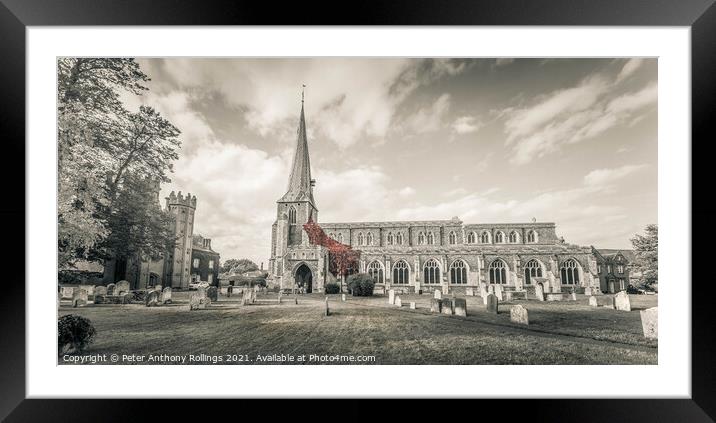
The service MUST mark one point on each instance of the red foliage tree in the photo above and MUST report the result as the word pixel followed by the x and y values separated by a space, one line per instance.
pixel 342 257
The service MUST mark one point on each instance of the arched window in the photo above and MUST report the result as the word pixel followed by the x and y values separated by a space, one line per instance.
pixel 401 272
pixel 471 237
pixel 570 272
pixel 458 272
pixel 533 269
pixel 291 215
pixel 399 238
pixel 432 272
pixel 532 237
pixel 389 238
pixel 485 237
pixel 498 272
pixel 375 270
pixel 369 239
pixel 421 238
pixel 514 237
pixel 360 238
pixel 340 238
pixel 431 238
pixel 452 238
pixel 499 237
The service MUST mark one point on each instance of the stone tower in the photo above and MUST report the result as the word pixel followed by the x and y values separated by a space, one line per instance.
pixel 179 261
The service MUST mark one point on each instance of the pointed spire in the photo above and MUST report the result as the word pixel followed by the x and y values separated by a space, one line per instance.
pixel 300 187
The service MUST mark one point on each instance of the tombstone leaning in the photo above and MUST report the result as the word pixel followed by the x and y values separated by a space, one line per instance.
pixel 448 307
pixel 650 322
pixel 152 299
pixel 539 291
pixel 621 301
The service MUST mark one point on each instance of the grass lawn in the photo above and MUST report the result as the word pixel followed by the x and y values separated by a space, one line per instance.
pixel 559 332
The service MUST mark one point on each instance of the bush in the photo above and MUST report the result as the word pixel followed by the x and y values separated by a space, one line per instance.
pixel 360 285
pixel 332 288
pixel 74 334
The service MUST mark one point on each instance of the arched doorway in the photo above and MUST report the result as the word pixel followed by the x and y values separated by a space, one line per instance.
pixel 304 278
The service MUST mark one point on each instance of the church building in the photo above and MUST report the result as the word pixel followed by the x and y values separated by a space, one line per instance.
pixel 415 256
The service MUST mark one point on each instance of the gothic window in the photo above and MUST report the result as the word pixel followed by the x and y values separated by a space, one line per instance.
pixel 375 270
pixel 421 238
pixel 399 238
pixel 485 237
pixel 369 239
pixel 431 238
pixel 532 237
pixel 498 272
pixel 340 238
pixel 499 237
pixel 570 272
pixel 196 263
pixel 389 238
pixel 452 238
pixel 360 238
pixel 401 273
pixel 432 272
pixel 471 237
pixel 514 237
pixel 533 269
pixel 292 216
pixel 458 272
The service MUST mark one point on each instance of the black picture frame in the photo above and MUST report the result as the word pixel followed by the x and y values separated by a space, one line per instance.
pixel 16 15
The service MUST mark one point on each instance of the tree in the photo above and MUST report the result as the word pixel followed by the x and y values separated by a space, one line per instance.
pixel 646 251
pixel 238 266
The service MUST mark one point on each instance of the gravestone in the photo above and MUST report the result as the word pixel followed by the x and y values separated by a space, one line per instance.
pixel 122 287
pixel 158 288
pixel 437 294
pixel 67 292
pixel 573 296
pixel 398 301
pixel 460 307
pixel 391 296
pixel 518 314
pixel 498 292
pixel 611 303
pixel 79 298
pixel 593 301
pixel 111 289
pixel 152 299
pixel 197 301
pixel 492 304
pixel 447 306
pixel 412 305
pixel 343 297
pixel 470 292
pixel 328 311
pixel 167 295
pixel 201 291
pixel 212 293
pixel 89 289
pixel 621 301
pixel 650 322
pixel 435 305
pixel 100 290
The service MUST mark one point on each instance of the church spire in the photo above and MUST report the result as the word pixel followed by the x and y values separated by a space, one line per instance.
pixel 300 184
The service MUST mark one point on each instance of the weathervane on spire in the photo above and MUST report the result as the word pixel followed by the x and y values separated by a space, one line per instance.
pixel 302 91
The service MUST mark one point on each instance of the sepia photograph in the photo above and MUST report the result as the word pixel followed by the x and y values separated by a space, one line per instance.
pixel 357 210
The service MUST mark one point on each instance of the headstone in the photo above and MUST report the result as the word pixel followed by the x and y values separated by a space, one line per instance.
pixel 79 298
pixel 89 289
pixel 343 297
pixel 122 287
pixel 593 301
pixel 152 299
pixel 621 301
pixel 611 303
pixel 201 291
pixel 67 292
pixel 100 290
pixel 412 305
pixel 328 312
pixel 498 292
pixel 518 314
pixel 391 296
pixel 470 292
pixel 435 305
pixel 573 296
pixel 398 301
pixel 197 301
pixel 460 305
pixel 158 288
pixel 492 304
pixel 437 294
pixel 213 293
pixel 650 322
pixel 111 289
pixel 167 295
pixel 447 306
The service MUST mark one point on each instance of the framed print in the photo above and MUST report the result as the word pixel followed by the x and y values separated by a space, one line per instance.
pixel 462 202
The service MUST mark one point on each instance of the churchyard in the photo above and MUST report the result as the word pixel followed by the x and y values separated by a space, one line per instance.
pixel 559 332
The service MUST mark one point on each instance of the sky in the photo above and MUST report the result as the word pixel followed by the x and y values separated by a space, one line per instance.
pixel 570 141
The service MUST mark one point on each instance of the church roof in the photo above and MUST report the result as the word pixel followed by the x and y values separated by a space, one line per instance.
pixel 299 183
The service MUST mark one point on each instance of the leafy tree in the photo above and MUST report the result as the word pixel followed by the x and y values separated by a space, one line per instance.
pixel 238 266
pixel 646 250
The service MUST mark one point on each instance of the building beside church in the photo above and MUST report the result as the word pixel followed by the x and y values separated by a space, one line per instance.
pixel 204 261
pixel 614 269
pixel 450 255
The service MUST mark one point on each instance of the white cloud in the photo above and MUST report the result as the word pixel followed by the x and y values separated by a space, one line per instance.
pixel 406 192
pixel 466 125
pixel 629 68
pixel 427 119
pixel 603 177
